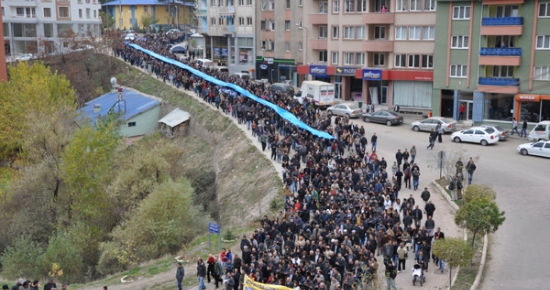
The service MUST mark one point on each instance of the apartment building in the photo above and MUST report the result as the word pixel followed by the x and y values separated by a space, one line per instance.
pixel 27 22
pixel 377 51
pixel 228 28
pixel 279 40
pixel 493 57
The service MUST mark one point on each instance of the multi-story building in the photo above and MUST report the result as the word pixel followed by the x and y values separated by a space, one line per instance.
pixel 377 51
pixel 168 13
pixel 31 25
pixel 493 57
pixel 279 40
pixel 228 28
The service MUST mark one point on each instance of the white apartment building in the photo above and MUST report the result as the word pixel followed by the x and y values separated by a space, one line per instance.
pixel 42 24
pixel 229 30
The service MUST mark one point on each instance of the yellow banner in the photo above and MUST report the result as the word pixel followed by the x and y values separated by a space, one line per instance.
pixel 250 284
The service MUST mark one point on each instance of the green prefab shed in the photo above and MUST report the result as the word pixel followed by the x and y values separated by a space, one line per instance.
pixel 138 114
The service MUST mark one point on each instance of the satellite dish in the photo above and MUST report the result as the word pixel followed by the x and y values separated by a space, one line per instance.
pixel 114 82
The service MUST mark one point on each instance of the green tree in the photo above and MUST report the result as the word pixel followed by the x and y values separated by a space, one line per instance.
pixel 164 220
pixel 31 88
pixel 22 259
pixel 479 191
pixel 454 251
pixel 147 20
pixel 480 215
pixel 107 20
pixel 62 251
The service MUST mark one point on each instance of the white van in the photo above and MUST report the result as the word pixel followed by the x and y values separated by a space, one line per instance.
pixel 320 93
pixel 221 69
pixel 244 76
pixel 540 132
pixel 204 62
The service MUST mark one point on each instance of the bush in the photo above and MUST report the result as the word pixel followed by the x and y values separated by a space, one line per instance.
pixel 479 191
pixel 108 261
pixel 22 259
pixel 61 250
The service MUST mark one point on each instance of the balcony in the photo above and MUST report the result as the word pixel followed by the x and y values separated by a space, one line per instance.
pixel 318 44
pixel 498 85
pixel 378 18
pixel 317 19
pixel 227 10
pixel 378 45
pixel 201 12
pixel 502 26
pixel 500 56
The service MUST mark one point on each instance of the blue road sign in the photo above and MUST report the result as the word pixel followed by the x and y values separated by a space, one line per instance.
pixel 213 228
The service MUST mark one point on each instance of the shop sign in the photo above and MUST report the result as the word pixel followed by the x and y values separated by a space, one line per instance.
pixel 528 98
pixel 372 74
pixel 345 71
pixel 269 60
pixel 263 66
pixel 319 70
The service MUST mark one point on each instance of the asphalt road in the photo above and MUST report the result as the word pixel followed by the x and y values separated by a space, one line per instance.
pixel 517 252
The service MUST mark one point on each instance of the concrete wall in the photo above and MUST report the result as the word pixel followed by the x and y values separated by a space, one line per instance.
pixel 146 123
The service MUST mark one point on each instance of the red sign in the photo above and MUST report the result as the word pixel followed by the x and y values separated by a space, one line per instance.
pixel 411 75
pixel 527 98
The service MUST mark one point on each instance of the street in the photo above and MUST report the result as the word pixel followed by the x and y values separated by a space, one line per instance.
pixel 516 253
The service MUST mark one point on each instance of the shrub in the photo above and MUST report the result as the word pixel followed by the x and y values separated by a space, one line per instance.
pixel 61 250
pixel 21 259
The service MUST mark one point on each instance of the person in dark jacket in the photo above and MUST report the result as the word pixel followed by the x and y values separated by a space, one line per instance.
pixel 391 273
pixel 201 273
pixel 429 209
pixel 180 273
pixel 50 285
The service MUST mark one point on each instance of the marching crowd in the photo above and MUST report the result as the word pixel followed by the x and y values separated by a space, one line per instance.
pixel 345 211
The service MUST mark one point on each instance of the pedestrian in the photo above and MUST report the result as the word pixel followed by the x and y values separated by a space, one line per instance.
pixel 49 286
pixel 406 155
pixel 396 108
pixel 180 273
pixel 430 225
pixel 402 254
pixel 399 158
pixel 417 216
pixel 459 165
pixel 470 168
pixel 391 273
pixel 452 187
pixel 416 178
pixel 413 154
pixel 524 128
pixel 440 132
pixel 425 195
pixel 431 138
pixel 201 273
pixel 461 111
pixel 374 141
pixel 515 127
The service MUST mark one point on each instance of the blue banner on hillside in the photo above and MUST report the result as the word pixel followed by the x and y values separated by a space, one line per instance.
pixel 282 112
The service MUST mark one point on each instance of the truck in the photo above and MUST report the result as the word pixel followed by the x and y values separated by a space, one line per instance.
pixel 319 93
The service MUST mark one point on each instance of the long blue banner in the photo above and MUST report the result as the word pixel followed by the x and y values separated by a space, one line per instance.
pixel 282 112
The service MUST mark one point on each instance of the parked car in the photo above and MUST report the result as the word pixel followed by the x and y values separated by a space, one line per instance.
pixel 480 135
pixel 173 30
pixel 503 134
pixel 352 110
pixel 24 57
pixel 384 117
pixel 541 148
pixel 282 88
pixel 449 125
pixel 130 36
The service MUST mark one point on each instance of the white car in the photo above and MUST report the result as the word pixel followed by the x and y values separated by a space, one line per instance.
pixel 24 57
pixel 130 36
pixel 538 148
pixel 478 135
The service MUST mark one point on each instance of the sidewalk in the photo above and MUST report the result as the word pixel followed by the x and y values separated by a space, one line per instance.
pixel 443 215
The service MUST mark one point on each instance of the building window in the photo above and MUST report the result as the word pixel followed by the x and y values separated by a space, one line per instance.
pixel 95 14
pixel 287 4
pixel 323 7
pixel 241 20
pixel 287 25
pixel 131 124
pixel 145 9
pixel 262 25
pixel 400 60
pixel 47 12
pixel 401 5
pixel 64 12
pixel 336 32
pixel 361 5
pixel 379 59
pixel 414 33
pixel 212 2
pixel 348 32
pixel 427 61
pixel 221 21
pixel 334 57
pixel 542 73
pixel 349 6
pixel 415 5
pixel 428 33
pixel 213 21
pixel 88 15
pixel 503 71
pixel 335 6
pixel 460 41
pixel 20 11
pixel 543 41
pixel 300 46
pixel 360 32
pixel 3 13
pixel 287 46
pixel 322 56
pixel 461 12
pixel 429 5
pixel 360 58
pixel 249 21
pixel 249 2
pixel 323 33
pixel 241 2
pixel 348 58
pixel 271 25
pixel 400 33
pixel 300 24
pixel 271 5
pixel 507 11
pixel 544 9
pixel 48 30
pixel 379 32
pixel 414 60
pixel 459 70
